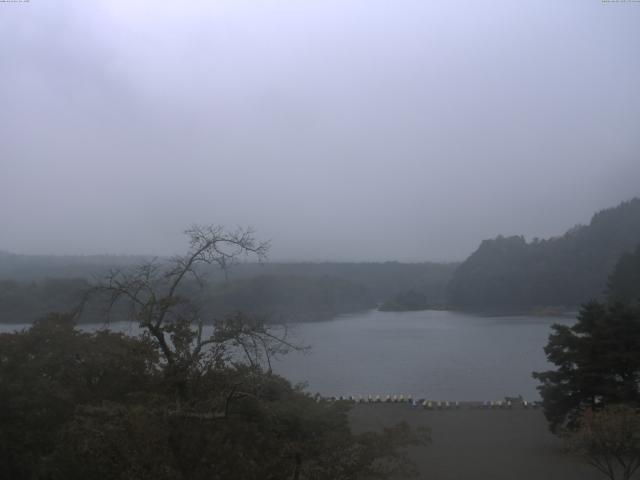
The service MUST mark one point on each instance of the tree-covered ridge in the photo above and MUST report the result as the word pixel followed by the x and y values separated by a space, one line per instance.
pixel 283 291
pixel 274 298
pixel 381 279
pixel 289 298
pixel 34 268
pixel 24 302
pixel 406 302
pixel 508 272
pixel 624 282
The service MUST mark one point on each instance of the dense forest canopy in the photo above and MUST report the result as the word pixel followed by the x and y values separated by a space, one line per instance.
pixel 502 274
pixel 102 405
pixel 624 282
pixel 380 278
pixel 289 298
pixel 31 286
pixel 407 301
pixel 509 272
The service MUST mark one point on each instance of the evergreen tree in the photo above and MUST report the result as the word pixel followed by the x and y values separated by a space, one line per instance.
pixel 624 282
pixel 598 363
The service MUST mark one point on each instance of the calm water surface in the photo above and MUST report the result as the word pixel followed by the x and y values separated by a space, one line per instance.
pixel 433 354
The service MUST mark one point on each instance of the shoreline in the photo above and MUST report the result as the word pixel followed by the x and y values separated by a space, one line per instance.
pixel 540 312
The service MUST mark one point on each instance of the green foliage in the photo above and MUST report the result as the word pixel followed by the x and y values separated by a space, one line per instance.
pixel 47 371
pixel 381 280
pixel 624 282
pixel 24 302
pixel 509 273
pixel 597 360
pixel 406 301
pixel 283 292
pixel 288 298
pixel 76 405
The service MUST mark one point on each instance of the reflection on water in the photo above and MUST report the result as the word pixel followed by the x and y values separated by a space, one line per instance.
pixel 435 354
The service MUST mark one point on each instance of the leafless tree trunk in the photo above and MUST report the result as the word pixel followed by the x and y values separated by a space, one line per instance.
pixel 154 294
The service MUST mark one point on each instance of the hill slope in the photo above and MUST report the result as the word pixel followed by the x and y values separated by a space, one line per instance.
pixel 508 272
pixel 31 286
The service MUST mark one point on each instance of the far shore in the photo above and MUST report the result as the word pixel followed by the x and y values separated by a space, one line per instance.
pixel 549 311
pixel 316 317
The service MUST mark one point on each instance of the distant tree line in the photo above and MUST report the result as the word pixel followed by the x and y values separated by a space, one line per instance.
pixel 32 268
pixel 174 403
pixel 506 273
pixel 624 282
pixel 510 273
pixel 289 298
pixel 407 301
pixel 381 279
pixel 23 302
pixel 274 298
pixel 277 292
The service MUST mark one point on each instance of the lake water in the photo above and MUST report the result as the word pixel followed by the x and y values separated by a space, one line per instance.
pixel 430 354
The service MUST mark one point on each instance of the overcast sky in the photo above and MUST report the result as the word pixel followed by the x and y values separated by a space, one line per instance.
pixel 341 130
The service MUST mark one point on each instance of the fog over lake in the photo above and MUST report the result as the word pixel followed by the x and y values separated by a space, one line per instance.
pixel 328 126
pixel 439 355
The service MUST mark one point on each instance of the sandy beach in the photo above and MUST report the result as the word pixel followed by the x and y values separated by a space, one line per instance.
pixel 480 444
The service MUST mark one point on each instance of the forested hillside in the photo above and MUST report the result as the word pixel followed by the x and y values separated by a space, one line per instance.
pixel 22 302
pixel 32 286
pixel 508 272
pixel 624 282
pixel 381 279
pixel 288 298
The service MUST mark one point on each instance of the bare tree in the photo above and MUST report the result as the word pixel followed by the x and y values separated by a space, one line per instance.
pixel 161 299
pixel 610 440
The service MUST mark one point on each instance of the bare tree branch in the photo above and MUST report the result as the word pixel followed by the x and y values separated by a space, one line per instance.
pixel 155 294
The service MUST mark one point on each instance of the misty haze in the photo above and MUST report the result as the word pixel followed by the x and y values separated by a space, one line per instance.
pixel 267 239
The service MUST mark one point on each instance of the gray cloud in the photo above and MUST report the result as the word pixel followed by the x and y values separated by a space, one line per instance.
pixel 356 129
